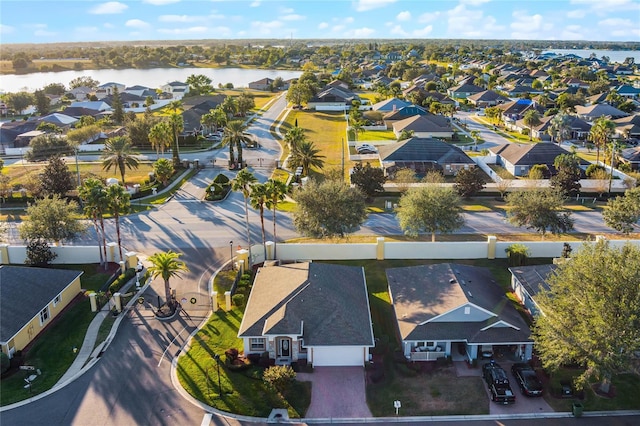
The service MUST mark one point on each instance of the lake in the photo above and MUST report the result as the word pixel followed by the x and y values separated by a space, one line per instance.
pixel 152 78
pixel 614 55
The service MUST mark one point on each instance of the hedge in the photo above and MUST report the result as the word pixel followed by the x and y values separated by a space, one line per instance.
pixel 122 280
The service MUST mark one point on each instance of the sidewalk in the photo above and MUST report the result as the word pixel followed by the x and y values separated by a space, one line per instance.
pixel 87 351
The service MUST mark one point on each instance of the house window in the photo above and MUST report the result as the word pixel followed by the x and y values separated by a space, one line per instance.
pixel 257 344
pixel 44 315
pixel 301 348
pixel 467 310
pixel 57 300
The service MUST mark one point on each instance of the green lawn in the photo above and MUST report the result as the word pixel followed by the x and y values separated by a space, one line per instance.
pixel 93 278
pixel 52 352
pixel 377 135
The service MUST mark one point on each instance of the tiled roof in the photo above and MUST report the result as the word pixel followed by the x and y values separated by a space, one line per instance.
pixel 328 302
pixel 25 291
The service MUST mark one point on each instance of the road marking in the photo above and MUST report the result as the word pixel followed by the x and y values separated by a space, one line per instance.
pixel 206 420
pixel 169 345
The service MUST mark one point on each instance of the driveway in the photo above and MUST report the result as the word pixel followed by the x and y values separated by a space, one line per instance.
pixel 337 392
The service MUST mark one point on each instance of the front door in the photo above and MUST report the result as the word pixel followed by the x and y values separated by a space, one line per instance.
pixel 285 348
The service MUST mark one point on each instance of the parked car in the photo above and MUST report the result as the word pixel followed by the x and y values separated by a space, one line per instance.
pixel 502 394
pixel 366 151
pixel 566 390
pixel 365 146
pixel 527 379
pixel 494 374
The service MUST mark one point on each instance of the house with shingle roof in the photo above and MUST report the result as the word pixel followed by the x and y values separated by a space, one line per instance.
pixel 487 98
pixel 309 311
pixel 631 156
pixel 440 308
pixel 176 89
pixel 422 155
pixel 463 91
pixel 519 159
pixel 30 298
pixel 628 127
pixel 592 112
pixel 262 84
pixel 391 104
pixel 424 126
pixel 528 281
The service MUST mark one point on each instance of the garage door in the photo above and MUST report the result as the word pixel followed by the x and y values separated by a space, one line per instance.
pixel 338 356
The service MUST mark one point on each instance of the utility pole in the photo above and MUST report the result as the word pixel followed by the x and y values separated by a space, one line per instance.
pixel 613 150
pixel 342 149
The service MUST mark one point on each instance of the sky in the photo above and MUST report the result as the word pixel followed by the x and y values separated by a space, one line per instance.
pixel 35 21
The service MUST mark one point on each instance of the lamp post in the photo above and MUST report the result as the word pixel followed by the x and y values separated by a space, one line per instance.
pixel 613 150
pixel 233 268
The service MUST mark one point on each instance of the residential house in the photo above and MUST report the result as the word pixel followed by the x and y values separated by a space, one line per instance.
pixel 622 69
pixel 424 126
pixel 31 299
pixel 403 113
pixel 90 105
pixel 78 112
pixel 529 281
pixel 590 113
pixel 108 89
pixel 628 127
pixel 24 139
pixel 631 156
pixel 518 159
pixel 313 312
pixel 62 121
pixel 195 107
pixel 463 91
pixel 81 93
pixel 454 310
pixel 628 91
pixel 389 105
pixel 333 99
pixel 515 110
pixel 422 155
pixel 176 89
pixel 578 128
pixel 262 84
pixel 142 91
pixel 488 98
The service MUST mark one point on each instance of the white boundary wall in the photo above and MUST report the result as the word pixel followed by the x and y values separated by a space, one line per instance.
pixel 326 251
pixel 16 255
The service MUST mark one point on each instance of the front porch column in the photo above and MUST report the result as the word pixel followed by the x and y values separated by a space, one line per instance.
pixel 491 246
pixel 380 248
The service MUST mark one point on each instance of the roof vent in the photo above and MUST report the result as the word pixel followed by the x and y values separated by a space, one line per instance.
pixel 452 280
pixel 469 293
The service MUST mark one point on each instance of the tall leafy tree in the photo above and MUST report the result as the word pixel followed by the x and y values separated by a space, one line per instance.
pixel 369 179
pixel 245 103
pixel 167 265
pixel 540 209
pixel 429 209
pixel 567 178
pixel 118 202
pixel 235 134
pixel 590 315
pixel 93 194
pixel 469 182
pixel 163 170
pixel 243 182
pixel 52 219
pixel 276 192
pixel 56 177
pixel 118 108
pixel 328 209
pixel 560 127
pixel 259 199
pixel 199 84
pixel 307 156
pixel 229 106
pixel 19 101
pixel 623 212
pixel 161 137
pixel 118 154
pixel 43 103
pixel 600 133
pixel 532 119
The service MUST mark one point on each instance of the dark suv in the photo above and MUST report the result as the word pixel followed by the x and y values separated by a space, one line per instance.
pixel 494 374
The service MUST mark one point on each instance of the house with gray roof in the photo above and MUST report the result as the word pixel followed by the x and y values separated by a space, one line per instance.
pixel 424 126
pixel 450 309
pixel 528 281
pixel 391 104
pixel 313 312
pixel 519 159
pixel 592 112
pixel 30 298
pixel 631 156
pixel 422 155
pixel 487 98
pixel 464 90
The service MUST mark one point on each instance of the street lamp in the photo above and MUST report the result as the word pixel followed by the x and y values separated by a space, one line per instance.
pixel 233 268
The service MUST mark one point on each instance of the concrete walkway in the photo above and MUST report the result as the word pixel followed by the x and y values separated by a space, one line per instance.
pixel 337 392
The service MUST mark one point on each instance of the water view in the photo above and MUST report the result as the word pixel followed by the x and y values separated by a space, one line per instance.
pixel 613 55
pixel 152 78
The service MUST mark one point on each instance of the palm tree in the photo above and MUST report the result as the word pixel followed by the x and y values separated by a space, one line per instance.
pixel 600 133
pixel 307 156
pixel 259 198
pixel 161 136
pixel 94 200
pixel 229 106
pixel 118 202
pixel 167 265
pixel 532 119
pixel 560 127
pixel 294 137
pixel 208 121
pixel 475 134
pixel 177 126
pixel 235 135
pixel 118 153
pixel 276 192
pixel 220 117
pixel 358 127
pixel 243 182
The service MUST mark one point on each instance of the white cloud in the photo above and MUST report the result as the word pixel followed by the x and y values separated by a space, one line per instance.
pixel 323 25
pixel 428 17
pixel 572 32
pixel 6 29
pixel 604 6
pixel 181 18
pixel 286 10
pixel 84 31
pixel 404 16
pixel 44 33
pixel 337 28
pixel 423 32
pixel 348 20
pixel 293 17
pixel 472 23
pixel 187 30
pixel 615 22
pixel 398 30
pixel 109 8
pixel 160 2
pixel 363 32
pixel 108 25
pixel 255 4
pixel 527 26
pixel 576 14
pixel 474 2
pixel 137 23
pixel 365 5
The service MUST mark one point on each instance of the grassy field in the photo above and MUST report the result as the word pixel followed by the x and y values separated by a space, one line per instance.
pixel 260 97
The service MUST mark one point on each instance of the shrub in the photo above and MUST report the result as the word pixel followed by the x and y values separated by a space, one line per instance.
pixel 221 179
pixel 517 254
pixel 280 377
pixel 39 253
pixel 593 168
pixel 122 280
pixel 231 354
pixel 238 300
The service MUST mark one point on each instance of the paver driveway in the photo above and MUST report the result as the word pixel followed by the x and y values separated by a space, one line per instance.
pixel 337 392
